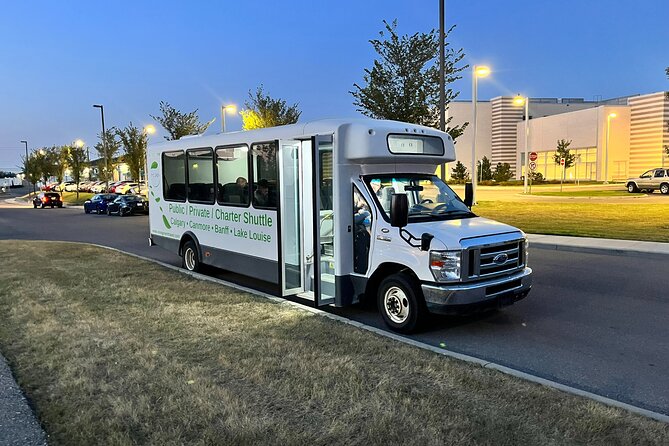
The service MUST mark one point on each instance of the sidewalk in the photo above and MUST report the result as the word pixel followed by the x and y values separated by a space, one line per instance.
pixel 634 248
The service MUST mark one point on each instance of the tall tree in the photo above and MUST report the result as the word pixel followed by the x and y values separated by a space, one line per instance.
pixel 484 169
pixel 30 169
pixel 562 151
pixel 107 149
pixel 76 160
pixel 46 163
pixel 264 111
pixel 459 172
pixel 60 156
pixel 502 172
pixel 180 124
pixel 134 141
pixel 403 83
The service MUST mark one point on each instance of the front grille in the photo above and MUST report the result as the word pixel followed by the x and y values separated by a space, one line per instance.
pixel 500 259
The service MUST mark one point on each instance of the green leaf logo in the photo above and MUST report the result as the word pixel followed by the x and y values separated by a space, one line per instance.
pixel 157 199
pixel 154 165
pixel 166 223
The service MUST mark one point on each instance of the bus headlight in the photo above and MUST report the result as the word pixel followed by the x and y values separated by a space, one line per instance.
pixel 445 265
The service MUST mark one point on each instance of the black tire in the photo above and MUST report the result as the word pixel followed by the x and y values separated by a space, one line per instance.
pixel 86 211
pixel 51 206
pixel 631 188
pixel 190 260
pixel 34 206
pixel 664 188
pixel 60 205
pixel 650 191
pixel 108 212
pixel 43 206
pixel 401 303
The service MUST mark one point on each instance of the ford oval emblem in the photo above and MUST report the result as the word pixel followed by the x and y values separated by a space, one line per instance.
pixel 500 259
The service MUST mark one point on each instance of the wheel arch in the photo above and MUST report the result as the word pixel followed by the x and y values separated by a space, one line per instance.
pixel 189 236
pixel 387 269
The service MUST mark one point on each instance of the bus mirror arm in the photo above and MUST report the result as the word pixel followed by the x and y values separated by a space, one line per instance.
pixel 423 242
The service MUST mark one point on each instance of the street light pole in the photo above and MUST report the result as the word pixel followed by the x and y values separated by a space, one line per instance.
pixel 104 143
pixel 25 174
pixel 606 155
pixel 477 71
pixel 226 108
pixel 442 81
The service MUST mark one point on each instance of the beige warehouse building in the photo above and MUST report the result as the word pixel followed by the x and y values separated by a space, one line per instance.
pixel 638 134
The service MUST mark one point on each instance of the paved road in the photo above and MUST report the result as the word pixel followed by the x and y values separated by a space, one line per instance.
pixel 595 322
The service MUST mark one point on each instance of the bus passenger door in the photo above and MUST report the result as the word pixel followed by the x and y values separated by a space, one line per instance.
pixel 292 271
pixel 324 229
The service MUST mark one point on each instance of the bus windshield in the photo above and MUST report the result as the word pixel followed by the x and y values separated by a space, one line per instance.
pixel 430 198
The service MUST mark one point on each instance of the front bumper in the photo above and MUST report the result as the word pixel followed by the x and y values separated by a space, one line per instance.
pixel 470 297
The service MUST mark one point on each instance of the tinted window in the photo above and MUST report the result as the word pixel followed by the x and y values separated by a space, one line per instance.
pixel 659 173
pixel 232 164
pixel 174 176
pixel 265 175
pixel 201 175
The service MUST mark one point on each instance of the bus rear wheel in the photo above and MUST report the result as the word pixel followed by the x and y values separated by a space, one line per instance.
pixel 401 304
pixel 190 258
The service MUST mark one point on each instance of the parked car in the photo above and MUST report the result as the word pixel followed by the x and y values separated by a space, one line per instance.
pixel 649 181
pixel 98 187
pixel 67 186
pixel 127 188
pixel 45 199
pixel 113 186
pixel 50 187
pixel 128 205
pixel 98 203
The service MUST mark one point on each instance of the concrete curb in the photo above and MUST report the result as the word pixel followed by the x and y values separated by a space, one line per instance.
pixel 451 354
pixel 629 248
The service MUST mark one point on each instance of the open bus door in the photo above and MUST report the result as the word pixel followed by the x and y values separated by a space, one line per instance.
pixel 323 220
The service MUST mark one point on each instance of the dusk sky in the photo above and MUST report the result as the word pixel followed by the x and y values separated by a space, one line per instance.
pixel 59 58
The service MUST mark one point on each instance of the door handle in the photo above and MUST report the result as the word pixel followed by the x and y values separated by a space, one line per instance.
pixel 384 238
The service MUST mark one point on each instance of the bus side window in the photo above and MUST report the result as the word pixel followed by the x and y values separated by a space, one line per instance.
pixel 233 173
pixel 200 175
pixel 265 175
pixel 174 176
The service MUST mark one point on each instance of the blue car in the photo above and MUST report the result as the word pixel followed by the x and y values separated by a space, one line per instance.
pixel 98 203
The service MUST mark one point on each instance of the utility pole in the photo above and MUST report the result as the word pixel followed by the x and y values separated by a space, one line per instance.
pixel 442 80
pixel 104 143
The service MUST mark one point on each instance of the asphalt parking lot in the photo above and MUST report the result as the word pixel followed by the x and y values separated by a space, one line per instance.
pixel 595 322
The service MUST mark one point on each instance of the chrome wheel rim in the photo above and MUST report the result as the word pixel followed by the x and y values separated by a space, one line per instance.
pixel 630 188
pixel 189 258
pixel 664 189
pixel 396 305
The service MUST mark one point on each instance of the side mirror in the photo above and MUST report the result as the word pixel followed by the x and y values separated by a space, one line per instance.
pixel 425 241
pixel 469 195
pixel 399 211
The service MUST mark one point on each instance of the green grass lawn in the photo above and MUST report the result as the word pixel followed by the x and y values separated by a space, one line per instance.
pixel 648 222
pixel 590 193
pixel 71 197
pixel 115 350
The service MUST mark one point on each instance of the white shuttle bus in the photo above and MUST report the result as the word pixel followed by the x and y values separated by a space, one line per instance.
pixel 335 211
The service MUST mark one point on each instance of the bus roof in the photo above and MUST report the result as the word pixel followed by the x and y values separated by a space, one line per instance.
pixel 365 139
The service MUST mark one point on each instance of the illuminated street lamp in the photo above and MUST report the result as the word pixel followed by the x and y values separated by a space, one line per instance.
pixel 606 153
pixel 478 71
pixel 520 101
pixel 230 108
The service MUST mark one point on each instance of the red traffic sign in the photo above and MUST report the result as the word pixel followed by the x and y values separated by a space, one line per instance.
pixel 533 156
pixel 562 161
pixel 533 166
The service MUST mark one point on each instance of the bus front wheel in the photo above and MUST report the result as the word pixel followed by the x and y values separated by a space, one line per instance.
pixel 191 260
pixel 401 303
